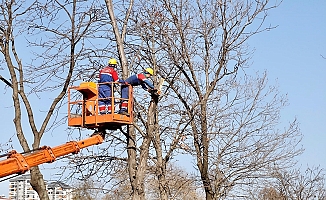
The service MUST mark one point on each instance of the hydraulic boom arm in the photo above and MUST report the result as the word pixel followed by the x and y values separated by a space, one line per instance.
pixel 17 163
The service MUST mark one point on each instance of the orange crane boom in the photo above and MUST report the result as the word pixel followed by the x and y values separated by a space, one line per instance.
pixel 17 163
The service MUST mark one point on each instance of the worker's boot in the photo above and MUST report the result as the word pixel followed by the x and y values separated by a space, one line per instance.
pixel 124 112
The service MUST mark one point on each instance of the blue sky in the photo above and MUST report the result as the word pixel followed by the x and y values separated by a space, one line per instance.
pixel 292 55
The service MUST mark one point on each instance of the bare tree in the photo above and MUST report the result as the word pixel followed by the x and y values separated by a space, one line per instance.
pixel 199 47
pixel 294 184
pixel 11 14
pixel 145 28
pixel 59 45
pixel 270 194
pixel 180 184
pixel 87 189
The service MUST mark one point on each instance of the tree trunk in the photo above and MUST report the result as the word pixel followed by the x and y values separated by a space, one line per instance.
pixel 132 163
pixel 38 184
pixel 131 150
pixel 37 180
pixel 153 130
pixel 137 170
pixel 202 152
pixel 161 174
pixel 160 170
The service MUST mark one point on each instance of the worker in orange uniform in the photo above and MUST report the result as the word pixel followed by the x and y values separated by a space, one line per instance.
pixel 135 80
pixel 106 77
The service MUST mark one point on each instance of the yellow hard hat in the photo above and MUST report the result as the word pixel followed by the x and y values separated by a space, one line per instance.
pixel 113 61
pixel 150 71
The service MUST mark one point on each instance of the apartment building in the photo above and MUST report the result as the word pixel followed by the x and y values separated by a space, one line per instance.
pixel 21 189
pixel 59 191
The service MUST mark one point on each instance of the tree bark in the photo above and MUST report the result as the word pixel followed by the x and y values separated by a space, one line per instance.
pixel 38 184
pixel 153 129
pixel 120 36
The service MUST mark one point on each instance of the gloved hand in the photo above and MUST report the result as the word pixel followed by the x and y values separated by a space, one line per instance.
pixel 154 92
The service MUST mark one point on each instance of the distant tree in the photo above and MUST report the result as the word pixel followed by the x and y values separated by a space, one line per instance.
pixel 87 190
pixel 297 184
pixel 270 193
pixel 121 188
pixel 180 184
pixel 287 184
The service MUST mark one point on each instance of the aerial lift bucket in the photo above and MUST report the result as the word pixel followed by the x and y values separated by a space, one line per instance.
pixel 83 107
